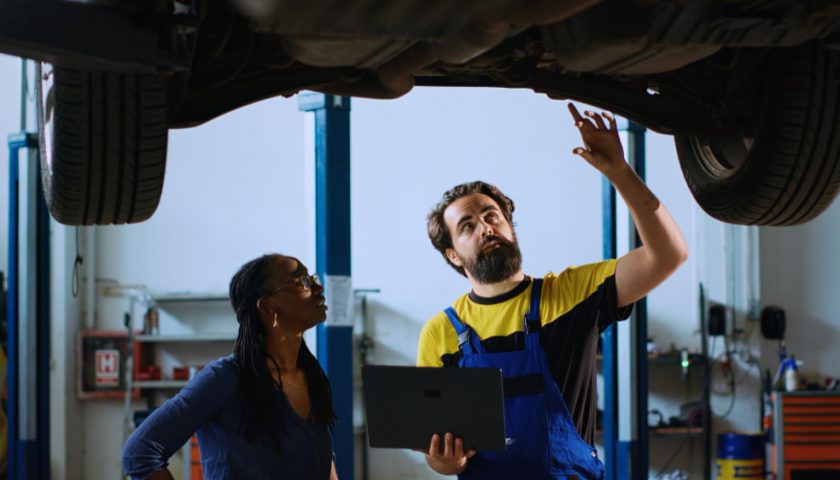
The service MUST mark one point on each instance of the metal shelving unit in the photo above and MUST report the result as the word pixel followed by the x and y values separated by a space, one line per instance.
pixel 152 344
pixel 160 384
pixel 190 297
pixel 198 338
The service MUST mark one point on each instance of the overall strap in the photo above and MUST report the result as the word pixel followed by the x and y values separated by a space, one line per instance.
pixel 464 332
pixel 532 318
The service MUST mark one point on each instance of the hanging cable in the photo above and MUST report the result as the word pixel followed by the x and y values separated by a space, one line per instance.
pixel 732 393
pixel 24 89
pixel 673 456
pixel 77 263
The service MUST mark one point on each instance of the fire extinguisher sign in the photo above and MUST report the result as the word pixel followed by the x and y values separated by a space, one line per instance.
pixel 107 368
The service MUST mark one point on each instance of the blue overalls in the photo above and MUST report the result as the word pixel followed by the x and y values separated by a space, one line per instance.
pixel 543 442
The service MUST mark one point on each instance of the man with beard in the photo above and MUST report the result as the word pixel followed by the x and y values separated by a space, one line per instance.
pixel 541 332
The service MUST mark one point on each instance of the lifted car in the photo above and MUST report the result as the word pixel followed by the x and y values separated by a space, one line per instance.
pixel 750 89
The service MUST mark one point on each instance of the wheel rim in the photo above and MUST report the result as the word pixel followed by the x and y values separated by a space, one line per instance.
pixel 722 157
pixel 46 113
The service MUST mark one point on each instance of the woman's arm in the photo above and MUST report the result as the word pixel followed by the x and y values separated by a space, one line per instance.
pixel 148 449
pixel 164 474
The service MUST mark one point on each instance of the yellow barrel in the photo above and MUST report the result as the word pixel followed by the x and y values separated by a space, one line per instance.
pixel 740 456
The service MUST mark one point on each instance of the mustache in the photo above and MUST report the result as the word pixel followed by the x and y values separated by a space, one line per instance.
pixel 494 238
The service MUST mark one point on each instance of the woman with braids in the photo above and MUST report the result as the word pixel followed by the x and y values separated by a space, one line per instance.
pixel 263 412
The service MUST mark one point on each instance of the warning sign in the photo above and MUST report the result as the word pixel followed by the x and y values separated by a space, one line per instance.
pixel 107 368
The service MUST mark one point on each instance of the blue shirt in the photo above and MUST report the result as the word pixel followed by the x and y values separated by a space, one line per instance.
pixel 212 406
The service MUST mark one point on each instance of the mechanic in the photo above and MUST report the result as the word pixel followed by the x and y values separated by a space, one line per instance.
pixel 542 332
pixel 266 410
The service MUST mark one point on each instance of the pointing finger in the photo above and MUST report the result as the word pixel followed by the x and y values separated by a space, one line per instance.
pixel 574 111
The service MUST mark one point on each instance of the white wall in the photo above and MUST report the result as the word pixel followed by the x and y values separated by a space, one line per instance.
pixel 673 314
pixel 9 123
pixel 672 307
pixel 799 273
pixel 233 191
pixel 66 411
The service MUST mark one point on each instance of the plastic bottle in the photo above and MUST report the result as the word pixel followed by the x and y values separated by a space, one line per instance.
pixel 791 374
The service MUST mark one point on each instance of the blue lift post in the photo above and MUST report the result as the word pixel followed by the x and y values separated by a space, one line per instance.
pixel 332 258
pixel 625 459
pixel 640 464
pixel 609 342
pixel 28 347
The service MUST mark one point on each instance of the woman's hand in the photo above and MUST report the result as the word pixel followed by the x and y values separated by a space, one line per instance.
pixel 602 146
pixel 162 474
pixel 452 460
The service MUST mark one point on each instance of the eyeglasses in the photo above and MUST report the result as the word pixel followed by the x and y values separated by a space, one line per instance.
pixel 305 281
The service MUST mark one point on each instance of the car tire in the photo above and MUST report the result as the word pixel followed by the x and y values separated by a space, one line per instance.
pixel 103 144
pixel 788 171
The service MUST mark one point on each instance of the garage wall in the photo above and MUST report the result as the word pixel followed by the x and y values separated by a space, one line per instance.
pixel 799 274
pixel 728 264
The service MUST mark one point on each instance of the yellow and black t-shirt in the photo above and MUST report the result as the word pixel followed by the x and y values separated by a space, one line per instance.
pixel 576 306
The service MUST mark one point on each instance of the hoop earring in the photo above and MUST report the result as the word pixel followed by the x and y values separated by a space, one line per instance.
pixel 275 321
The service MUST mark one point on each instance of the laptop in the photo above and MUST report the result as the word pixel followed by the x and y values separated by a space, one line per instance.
pixel 406 405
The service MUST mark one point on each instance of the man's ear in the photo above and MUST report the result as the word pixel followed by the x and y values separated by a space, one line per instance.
pixel 453 257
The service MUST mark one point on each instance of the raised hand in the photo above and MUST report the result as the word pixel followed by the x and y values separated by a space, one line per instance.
pixel 602 146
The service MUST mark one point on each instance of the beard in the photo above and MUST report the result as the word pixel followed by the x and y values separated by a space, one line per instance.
pixel 497 264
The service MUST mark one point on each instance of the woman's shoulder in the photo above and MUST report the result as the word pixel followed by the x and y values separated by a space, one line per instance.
pixel 226 362
pixel 224 369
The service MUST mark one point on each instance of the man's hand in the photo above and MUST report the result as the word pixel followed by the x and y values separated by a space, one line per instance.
pixel 452 460
pixel 663 247
pixel 602 146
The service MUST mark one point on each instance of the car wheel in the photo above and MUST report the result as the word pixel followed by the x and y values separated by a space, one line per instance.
pixel 103 144
pixel 788 171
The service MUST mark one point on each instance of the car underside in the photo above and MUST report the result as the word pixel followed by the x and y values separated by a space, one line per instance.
pixel 748 88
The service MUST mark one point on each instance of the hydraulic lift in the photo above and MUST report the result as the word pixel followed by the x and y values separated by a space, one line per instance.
pixel 332 261
pixel 28 301
pixel 625 428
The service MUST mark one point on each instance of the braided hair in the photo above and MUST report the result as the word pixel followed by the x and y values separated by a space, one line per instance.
pixel 263 418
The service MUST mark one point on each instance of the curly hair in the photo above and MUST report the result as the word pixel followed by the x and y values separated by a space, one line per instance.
pixel 436 228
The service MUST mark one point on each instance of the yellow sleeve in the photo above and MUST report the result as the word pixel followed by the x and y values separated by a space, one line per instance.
pixel 429 347
pixel 572 286
pixel 588 278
